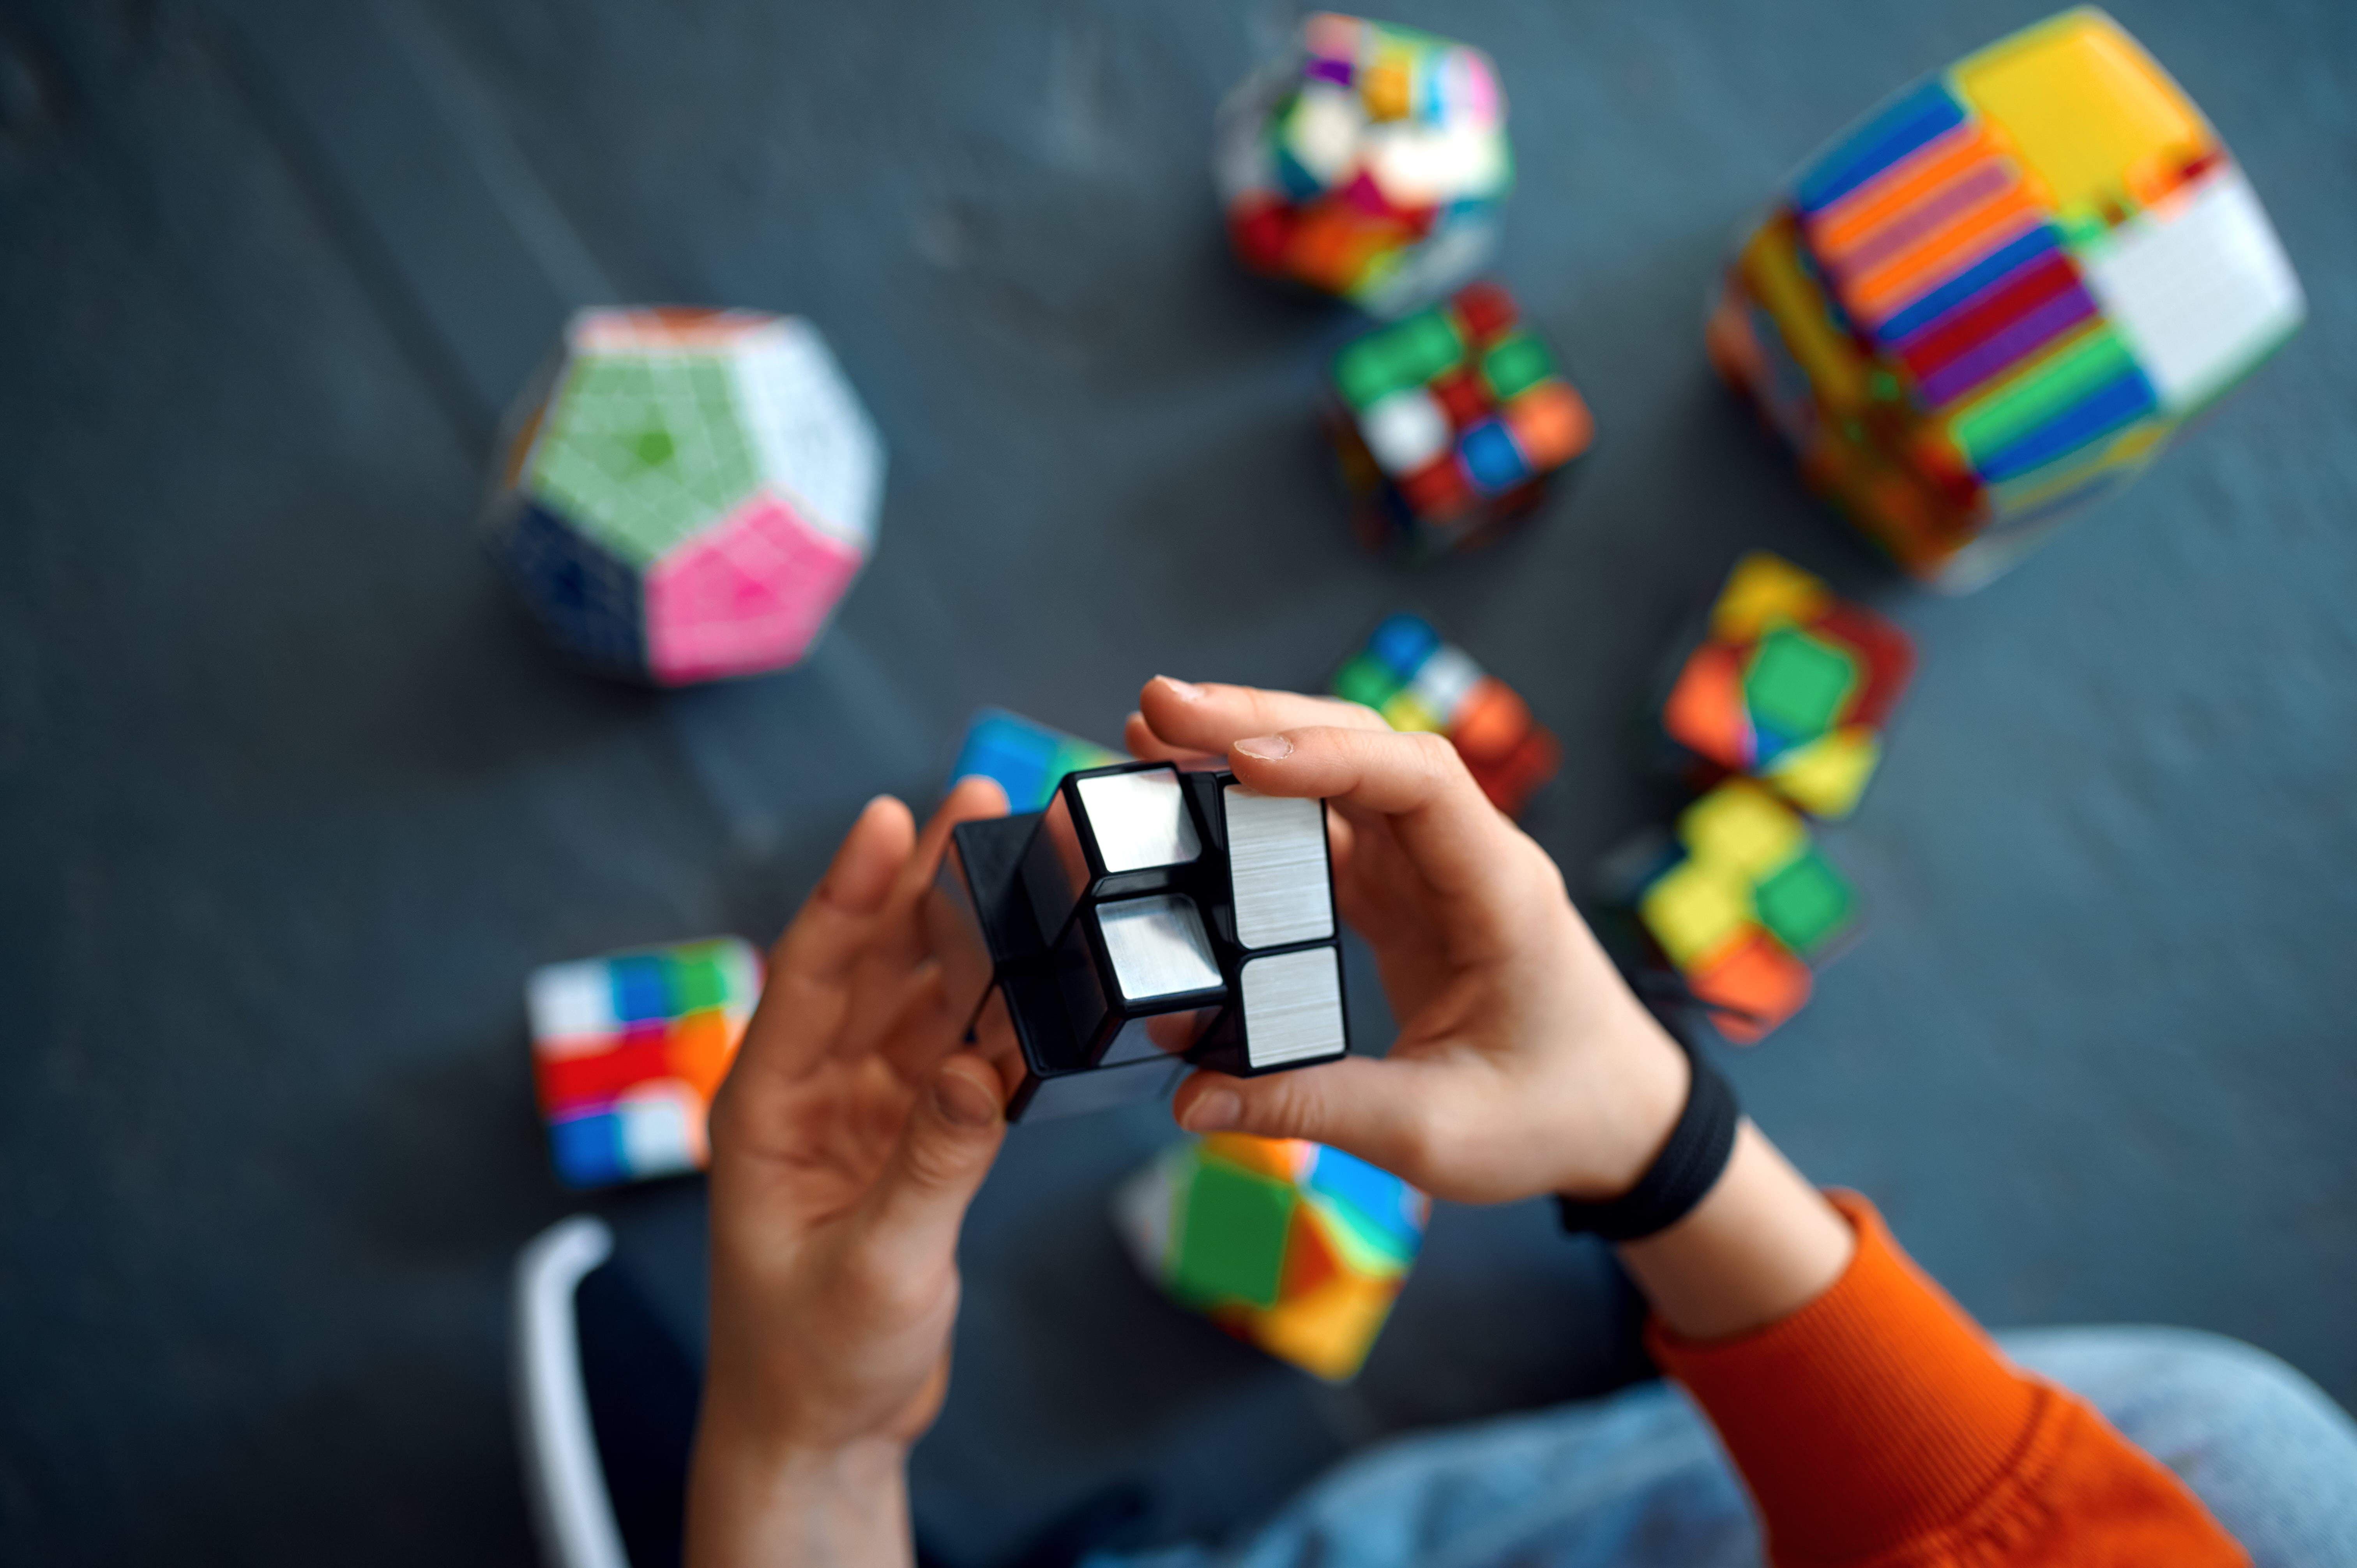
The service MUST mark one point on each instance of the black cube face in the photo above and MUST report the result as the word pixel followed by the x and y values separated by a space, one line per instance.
pixel 1149 916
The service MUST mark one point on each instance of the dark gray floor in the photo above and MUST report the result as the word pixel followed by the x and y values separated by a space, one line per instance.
pixel 293 801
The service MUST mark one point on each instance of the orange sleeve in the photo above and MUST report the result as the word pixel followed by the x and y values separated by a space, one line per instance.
pixel 1879 1424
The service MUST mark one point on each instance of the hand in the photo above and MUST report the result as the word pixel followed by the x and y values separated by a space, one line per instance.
pixel 847 1141
pixel 1524 1064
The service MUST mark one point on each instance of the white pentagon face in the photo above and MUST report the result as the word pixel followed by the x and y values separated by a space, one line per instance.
pixel 1157 947
pixel 814 440
pixel 1276 867
pixel 1139 820
pixel 1292 1008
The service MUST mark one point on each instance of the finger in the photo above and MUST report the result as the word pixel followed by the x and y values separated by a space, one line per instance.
pixel 953 1131
pixel 1379 1111
pixel 1137 738
pixel 900 943
pixel 807 993
pixel 1416 782
pixel 1211 718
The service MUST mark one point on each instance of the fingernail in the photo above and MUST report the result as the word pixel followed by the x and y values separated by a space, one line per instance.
pixel 963 1102
pixel 1267 747
pixel 1214 1111
pixel 1184 691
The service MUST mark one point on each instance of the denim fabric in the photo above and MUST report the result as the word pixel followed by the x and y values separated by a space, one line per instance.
pixel 1638 1480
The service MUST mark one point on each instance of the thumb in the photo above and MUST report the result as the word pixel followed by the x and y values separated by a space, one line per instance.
pixel 1375 1109
pixel 954 1132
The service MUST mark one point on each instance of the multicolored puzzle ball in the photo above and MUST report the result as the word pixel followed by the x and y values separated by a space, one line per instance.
pixel 1027 759
pixel 1743 905
pixel 2001 295
pixel 628 1051
pixel 1791 685
pixel 1450 424
pixel 1372 163
pixel 1289 1245
pixel 686 494
pixel 1416 680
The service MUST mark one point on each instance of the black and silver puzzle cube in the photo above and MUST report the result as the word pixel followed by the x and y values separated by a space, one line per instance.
pixel 1152 919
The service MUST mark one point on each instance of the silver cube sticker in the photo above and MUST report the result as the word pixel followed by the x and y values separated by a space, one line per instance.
pixel 1140 820
pixel 1293 1006
pixel 1276 867
pixel 1157 947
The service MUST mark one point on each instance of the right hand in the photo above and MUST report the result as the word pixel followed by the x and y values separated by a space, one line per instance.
pixel 1524 1064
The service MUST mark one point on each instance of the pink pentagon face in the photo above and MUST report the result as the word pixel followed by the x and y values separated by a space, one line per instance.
pixel 746 594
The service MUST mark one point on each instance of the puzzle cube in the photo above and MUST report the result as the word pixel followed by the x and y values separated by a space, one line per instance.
pixel 1150 918
pixel 1418 681
pixel 1996 298
pixel 1289 1245
pixel 1791 685
pixel 1027 759
pixel 1450 425
pixel 686 494
pixel 1741 904
pixel 628 1051
pixel 1371 163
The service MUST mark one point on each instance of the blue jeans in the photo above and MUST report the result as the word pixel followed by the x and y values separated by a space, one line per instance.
pixel 1638 1480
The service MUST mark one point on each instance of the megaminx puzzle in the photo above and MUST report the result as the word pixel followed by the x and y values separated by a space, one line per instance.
pixel 1372 163
pixel 1790 685
pixel 1741 904
pixel 628 1051
pixel 1418 681
pixel 1450 425
pixel 1997 297
pixel 1292 1246
pixel 686 494
pixel 1027 759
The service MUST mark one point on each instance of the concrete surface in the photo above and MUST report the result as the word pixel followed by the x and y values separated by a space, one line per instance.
pixel 293 798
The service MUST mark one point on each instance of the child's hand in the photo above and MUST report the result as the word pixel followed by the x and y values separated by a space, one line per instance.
pixel 1523 1066
pixel 846 1143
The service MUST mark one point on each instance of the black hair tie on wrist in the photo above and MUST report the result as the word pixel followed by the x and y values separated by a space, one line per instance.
pixel 1688 1166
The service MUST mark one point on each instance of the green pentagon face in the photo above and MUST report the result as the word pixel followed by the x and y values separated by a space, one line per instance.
pixel 642 451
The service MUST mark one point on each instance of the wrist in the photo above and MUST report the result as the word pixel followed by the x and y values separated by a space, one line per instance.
pixel 764 1496
pixel 1648 1078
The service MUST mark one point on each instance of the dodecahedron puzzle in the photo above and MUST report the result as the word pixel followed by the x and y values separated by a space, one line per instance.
pixel 1027 759
pixel 1151 919
pixel 1371 163
pixel 1289 1245
pixel 686 494
pixel 1419 682
pixel 1450 425
pixel 1742 904
pixel 1996 298
pixel 1792 685
pixel 628 1051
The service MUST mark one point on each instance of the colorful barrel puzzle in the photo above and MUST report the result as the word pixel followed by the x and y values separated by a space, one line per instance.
pixel 1027 759
pixel 1996 298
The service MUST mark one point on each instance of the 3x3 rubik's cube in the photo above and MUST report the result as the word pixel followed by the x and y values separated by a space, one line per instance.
pixel 1289 1245
pixel 1417 681
pixel 628 1051
pixel 1450 424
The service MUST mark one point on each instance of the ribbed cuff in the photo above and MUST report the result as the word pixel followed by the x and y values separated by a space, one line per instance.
pixel 1877 1413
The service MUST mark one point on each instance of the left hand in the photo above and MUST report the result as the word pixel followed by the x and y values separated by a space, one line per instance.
pixel 847 1141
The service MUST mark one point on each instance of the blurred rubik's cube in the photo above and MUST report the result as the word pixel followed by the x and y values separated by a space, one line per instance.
pixel 1450 423
pixel 1741 904
pixel 686 494
pixel 628 1051
pixel 1372 163
pixel 1418 681
pixel 1027 759
pixel 1291 1246
pixel 1792 685
pixel 1995 299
